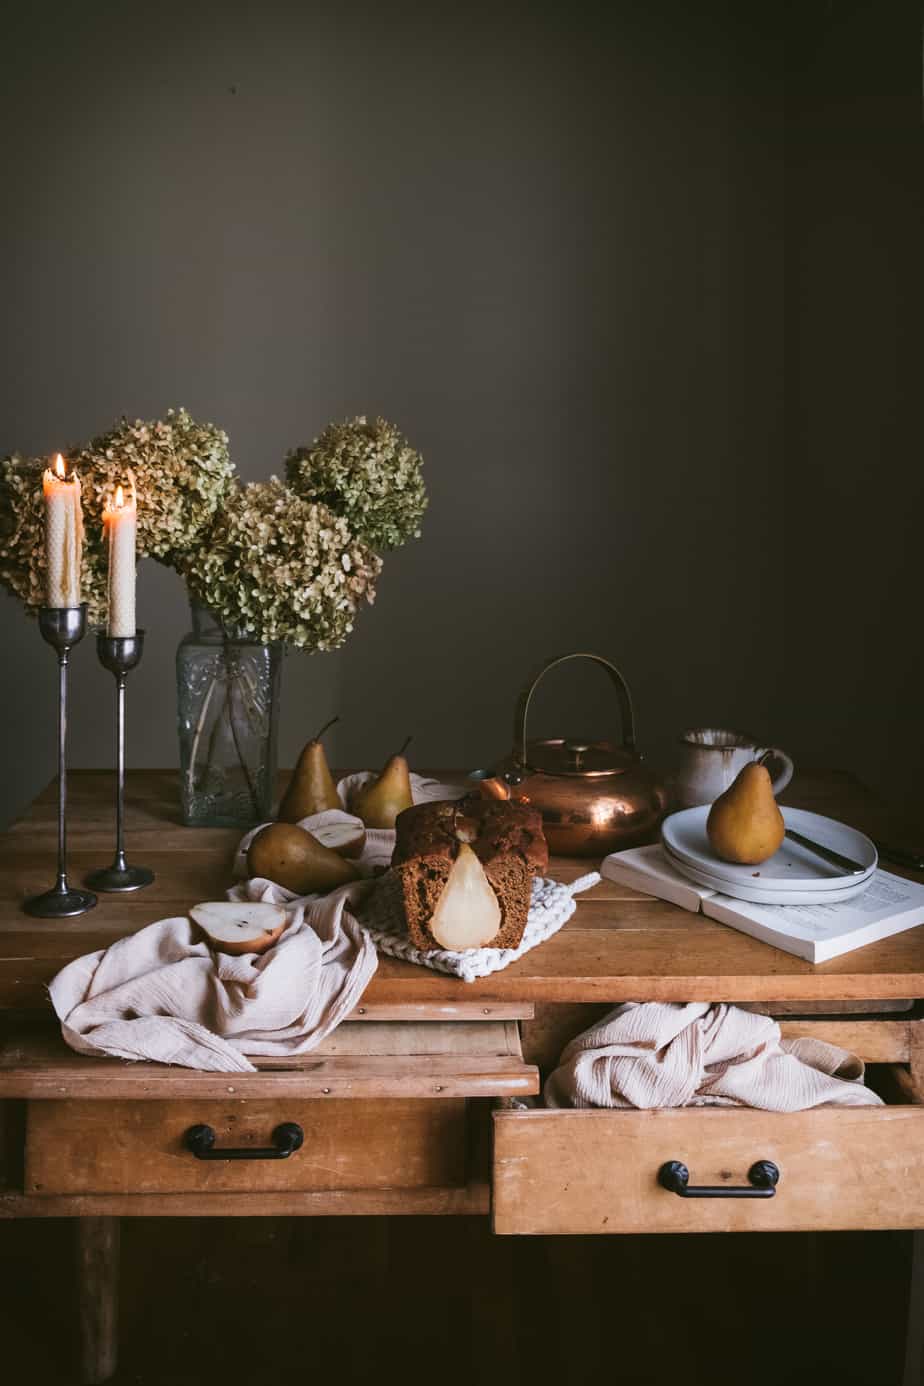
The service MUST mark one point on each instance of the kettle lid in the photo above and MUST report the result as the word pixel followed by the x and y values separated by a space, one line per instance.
pixel 576 757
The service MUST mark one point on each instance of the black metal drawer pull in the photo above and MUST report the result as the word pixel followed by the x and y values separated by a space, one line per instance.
pixel 287 1138
pixel 763 1178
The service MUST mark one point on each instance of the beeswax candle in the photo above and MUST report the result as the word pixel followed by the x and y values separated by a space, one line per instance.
pixel 120 521
pixel 63 534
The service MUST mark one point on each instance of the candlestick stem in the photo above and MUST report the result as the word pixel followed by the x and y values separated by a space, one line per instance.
pixel 62 627
pixel 120 772
pixel 119 654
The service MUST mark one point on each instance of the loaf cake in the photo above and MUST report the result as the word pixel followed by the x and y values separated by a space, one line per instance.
pixel 491 827
pixel 464 902
pixel 462 871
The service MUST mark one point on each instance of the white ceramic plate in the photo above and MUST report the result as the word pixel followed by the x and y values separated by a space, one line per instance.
pixel 792 868
pixel 766 895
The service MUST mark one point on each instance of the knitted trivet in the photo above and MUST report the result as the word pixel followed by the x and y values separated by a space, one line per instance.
pixel 551 906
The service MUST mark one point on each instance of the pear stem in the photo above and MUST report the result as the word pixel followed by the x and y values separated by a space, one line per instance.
pixel 326 726
pixel 406 744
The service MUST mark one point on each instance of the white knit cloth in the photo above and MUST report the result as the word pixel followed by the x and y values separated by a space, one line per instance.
pixel 552 905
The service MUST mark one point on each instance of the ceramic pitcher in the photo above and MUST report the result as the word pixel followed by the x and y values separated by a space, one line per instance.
pixel 710 759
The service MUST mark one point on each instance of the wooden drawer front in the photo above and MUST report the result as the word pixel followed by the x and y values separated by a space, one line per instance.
pixel 590 1172
pixel 137 1147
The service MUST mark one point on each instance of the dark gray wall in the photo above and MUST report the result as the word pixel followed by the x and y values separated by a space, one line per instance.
pixel 556 246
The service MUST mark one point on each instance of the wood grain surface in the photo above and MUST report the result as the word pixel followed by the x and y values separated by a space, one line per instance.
pixel 137 1147
pixel 373 1060
pixel 620 944
pixel 596 1172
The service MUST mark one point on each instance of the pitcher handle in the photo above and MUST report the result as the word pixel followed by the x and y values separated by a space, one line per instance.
pixel 622 692
pixel 779 765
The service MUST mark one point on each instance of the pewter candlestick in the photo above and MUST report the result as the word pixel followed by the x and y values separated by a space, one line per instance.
pixel 62 627
pixel 119 654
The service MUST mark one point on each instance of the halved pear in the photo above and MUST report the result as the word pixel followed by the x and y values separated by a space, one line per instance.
pixel 248 927
pixel 467 914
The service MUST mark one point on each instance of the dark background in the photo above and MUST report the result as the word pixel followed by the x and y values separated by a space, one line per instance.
pixel 640 280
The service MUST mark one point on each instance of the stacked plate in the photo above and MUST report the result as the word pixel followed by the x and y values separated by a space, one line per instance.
pixel 793 876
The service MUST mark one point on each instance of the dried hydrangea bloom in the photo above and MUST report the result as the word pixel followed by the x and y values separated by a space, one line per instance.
pixel 282 568
pixel 182 472
pixel 369 474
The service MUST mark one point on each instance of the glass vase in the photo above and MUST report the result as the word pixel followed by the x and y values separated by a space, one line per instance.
pixel 227 705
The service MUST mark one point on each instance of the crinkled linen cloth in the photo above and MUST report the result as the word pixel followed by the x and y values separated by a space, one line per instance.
pixel 652 1054
pixel 164 994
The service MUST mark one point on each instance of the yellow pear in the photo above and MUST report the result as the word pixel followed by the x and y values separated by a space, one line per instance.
pixel 292 857
pixel 379 802
pixel 311 788
pixel 745 824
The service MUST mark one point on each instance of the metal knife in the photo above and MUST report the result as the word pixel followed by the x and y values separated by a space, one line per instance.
pixel 847 865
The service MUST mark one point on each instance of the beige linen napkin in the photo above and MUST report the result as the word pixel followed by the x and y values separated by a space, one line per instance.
pixel 664 1055
pixel 163 994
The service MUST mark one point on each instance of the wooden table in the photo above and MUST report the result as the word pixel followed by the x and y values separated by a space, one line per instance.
pixel 399 1106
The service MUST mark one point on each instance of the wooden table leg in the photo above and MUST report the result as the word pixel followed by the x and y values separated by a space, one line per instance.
pixel 914 1333
pixel 98 1297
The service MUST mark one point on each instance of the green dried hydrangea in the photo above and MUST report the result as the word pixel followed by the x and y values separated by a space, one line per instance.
pixel 182 473
pixel 281 567
pixel 369 474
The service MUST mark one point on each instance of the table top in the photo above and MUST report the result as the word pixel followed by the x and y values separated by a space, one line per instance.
pixel 619 945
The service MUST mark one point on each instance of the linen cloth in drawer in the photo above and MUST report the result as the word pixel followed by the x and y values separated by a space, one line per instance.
pixel 597 1171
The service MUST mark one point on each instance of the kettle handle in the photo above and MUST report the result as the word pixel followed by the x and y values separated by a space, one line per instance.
pixel 616 678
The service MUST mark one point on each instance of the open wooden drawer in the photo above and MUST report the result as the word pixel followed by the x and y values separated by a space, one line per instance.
pixel 378 1106
pixel 839 1168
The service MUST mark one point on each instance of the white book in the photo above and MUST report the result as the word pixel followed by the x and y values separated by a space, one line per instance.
pixel 888 906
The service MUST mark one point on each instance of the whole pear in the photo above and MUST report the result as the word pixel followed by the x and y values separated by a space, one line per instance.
pixel 311 788
pixel 292 857
pixel 745 824
pixel 379 802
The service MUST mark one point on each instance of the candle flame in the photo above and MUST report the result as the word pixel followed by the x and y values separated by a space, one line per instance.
pixel 119 498
pixel 60 468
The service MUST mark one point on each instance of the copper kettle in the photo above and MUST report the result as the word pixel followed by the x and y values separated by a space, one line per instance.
pixel 595 797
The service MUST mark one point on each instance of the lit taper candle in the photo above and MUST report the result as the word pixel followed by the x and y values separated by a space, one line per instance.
pixel 63 534
pixel 120 521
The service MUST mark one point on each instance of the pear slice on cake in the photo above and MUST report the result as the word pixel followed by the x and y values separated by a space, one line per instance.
pixel 467 914
pixel 248 927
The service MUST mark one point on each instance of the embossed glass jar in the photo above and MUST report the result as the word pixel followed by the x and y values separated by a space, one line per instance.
pixel 227 708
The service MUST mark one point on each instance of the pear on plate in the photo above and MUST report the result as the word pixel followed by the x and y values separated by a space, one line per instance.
pixel 294 858
pixel 311 788
pixel 745 824
pixel 379 801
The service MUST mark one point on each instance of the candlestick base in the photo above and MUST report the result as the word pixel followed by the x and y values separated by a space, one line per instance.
pixel 118 879
pixel 60 904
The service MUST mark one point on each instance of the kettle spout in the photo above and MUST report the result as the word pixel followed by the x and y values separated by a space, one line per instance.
pixel 493 788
